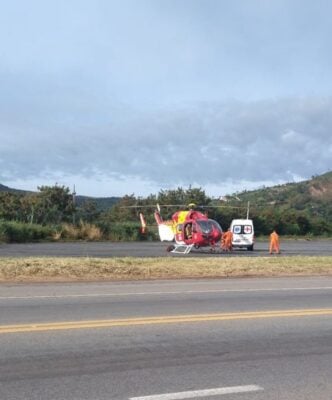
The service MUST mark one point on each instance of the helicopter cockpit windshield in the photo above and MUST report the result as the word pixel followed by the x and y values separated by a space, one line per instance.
pixel 207 226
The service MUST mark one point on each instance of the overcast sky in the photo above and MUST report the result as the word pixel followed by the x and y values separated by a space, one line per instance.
pixel 134 96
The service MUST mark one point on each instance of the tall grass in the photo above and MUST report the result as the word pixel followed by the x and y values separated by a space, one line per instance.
pixel 83 231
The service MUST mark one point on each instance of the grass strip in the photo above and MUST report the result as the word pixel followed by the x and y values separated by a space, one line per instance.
pixel 129 268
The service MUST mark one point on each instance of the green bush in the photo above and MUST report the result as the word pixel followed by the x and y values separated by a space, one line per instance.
pixel 19 232
pixel 126 231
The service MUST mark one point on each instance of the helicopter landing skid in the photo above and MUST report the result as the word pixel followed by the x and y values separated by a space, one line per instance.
pixel 182 248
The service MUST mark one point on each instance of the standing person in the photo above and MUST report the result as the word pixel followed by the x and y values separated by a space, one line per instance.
pixel 222 241
pixel 274 243
pixel 228 240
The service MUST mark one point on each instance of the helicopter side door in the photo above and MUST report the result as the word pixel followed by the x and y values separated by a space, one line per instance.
pixel 185 233
pixel 188 232
pixel 179 234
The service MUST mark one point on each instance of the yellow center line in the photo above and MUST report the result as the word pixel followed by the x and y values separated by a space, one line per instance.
pixel 171 319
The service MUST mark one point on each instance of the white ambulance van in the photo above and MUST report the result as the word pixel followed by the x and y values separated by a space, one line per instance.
pixel 243 233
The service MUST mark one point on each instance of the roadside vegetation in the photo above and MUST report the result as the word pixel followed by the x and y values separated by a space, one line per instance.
pixel 87 269
pixel 54 213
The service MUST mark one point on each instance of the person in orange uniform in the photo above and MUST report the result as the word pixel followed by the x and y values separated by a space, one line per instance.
pixel 222 241
pixel 227 240
pixel 274 243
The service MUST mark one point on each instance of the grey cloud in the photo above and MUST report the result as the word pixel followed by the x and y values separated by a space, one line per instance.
pixel 205 143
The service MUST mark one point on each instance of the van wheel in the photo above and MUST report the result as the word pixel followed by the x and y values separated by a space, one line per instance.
pixel 250 248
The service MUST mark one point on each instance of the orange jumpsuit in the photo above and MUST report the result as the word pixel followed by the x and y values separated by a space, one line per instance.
pixel 227 240
pixel 274 243
pixel 222 240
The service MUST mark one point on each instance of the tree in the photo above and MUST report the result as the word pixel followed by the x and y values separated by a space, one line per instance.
pixel 9 206
pixel 88 211
pixel 183 197
pixel 54 205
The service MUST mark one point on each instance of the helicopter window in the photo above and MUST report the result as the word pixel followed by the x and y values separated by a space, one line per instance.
pixel 205 226
pixel 215 224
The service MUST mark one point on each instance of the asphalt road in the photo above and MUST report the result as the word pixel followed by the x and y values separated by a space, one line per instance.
pixel 260 342
pixel 154 249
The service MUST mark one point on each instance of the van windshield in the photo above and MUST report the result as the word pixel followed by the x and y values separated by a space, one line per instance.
pixel 242 229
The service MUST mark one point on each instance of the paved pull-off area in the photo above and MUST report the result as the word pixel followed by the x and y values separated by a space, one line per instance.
pixel 250 339
pixel 156 249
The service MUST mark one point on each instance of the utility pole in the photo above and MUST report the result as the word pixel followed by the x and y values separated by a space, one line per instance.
pixel 32 214
pixel 74 205
pixel 248 205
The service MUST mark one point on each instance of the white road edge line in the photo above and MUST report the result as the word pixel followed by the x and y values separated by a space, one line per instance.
pixel 64 296
pixel 201 393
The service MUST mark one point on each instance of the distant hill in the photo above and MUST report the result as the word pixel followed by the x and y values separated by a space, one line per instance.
pixel 4 188
pixel 313 196
pixel 102 203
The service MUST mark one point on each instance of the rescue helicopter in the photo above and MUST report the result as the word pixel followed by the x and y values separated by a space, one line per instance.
pixel 187 229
